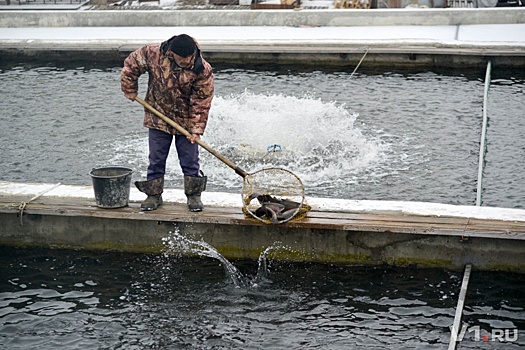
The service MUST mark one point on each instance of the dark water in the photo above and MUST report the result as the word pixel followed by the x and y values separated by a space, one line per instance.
pixel 374 135
pixel 81 300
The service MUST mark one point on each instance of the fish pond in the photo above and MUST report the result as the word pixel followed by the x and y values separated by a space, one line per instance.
pixel 411 136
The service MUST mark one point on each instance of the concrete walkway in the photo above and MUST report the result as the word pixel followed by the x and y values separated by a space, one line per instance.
pixel 451 32
pixel 334 231
pixel 493 35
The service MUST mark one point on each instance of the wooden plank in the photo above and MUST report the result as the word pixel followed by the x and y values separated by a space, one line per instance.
pixel 346 221
pixel 389 217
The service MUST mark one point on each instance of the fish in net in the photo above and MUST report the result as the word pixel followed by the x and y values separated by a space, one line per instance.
pixel 274 195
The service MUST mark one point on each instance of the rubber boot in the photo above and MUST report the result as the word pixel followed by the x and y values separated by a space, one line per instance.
pixel 193 187
pixel 153 188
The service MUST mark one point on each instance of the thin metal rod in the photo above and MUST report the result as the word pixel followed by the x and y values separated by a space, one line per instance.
pixel 362 58
pixel 483 143
pixel 459 308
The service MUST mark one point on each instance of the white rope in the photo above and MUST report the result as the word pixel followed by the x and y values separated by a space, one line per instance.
pixel 23 205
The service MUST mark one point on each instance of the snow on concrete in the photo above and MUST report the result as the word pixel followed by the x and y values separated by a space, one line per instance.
pixel 496 34
pixel 231 200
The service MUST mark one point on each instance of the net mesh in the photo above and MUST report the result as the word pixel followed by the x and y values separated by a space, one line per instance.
pixel 274 196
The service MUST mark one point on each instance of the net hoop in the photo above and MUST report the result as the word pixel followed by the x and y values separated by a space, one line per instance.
pixel 277 184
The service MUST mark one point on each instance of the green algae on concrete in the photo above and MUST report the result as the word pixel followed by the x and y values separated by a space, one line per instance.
pixel 420 262
pixel 127 231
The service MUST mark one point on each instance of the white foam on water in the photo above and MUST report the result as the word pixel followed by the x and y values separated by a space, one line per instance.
pixel 316 140
pixel 131 151
pixel 319 140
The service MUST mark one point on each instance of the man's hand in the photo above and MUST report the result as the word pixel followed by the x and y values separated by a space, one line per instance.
pixel 193 138
pixel 130 95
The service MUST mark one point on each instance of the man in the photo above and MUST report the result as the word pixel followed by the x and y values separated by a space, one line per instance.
pixel 181 87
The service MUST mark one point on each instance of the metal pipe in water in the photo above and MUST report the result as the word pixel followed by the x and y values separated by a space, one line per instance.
pixel 459 308
pixel 482 147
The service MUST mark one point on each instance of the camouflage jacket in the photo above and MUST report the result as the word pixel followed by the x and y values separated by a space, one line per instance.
pixel 182 94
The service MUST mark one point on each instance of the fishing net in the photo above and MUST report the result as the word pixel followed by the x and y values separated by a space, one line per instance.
pixel 274 196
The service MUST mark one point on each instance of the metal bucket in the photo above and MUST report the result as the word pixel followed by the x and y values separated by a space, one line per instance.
pixel 111 186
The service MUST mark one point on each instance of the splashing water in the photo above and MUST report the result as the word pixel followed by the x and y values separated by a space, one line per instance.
pixel 317 141
pixel 177 243
pixel 262 271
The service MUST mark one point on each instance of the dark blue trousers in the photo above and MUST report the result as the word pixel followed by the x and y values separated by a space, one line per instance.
pixel 159 148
